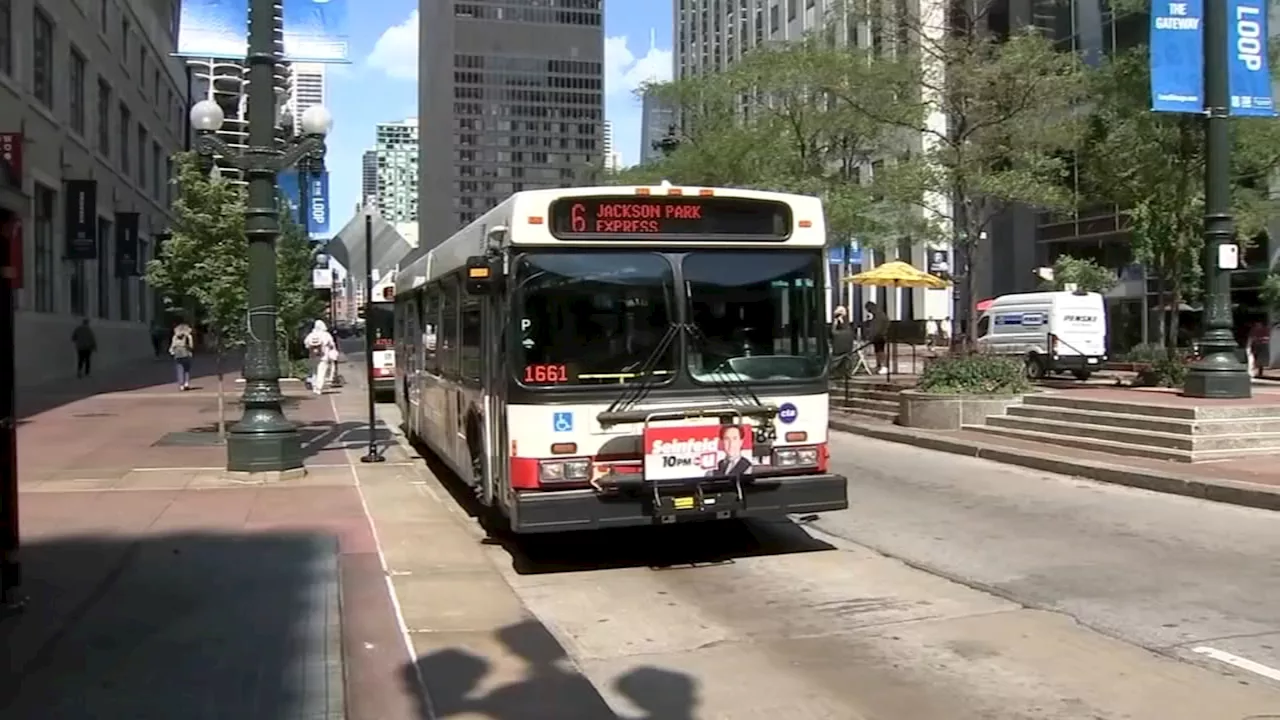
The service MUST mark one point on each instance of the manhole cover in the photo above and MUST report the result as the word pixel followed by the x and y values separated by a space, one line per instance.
pixel 191 438
pixel 93 415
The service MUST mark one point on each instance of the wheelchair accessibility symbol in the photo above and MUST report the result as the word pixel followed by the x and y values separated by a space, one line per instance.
pixel 563 422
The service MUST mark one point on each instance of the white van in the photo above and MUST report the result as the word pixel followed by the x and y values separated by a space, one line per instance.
pixel 1055 331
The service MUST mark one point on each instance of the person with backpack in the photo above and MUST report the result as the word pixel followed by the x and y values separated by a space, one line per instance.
pixel 182 347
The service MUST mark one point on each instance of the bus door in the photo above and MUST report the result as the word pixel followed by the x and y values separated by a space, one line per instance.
pixel 495 400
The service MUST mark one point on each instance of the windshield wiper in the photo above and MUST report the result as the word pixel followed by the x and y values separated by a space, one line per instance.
pixel 734 389
pixel 649 378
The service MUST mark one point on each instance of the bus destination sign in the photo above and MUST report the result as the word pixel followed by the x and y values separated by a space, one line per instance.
pixel 673 218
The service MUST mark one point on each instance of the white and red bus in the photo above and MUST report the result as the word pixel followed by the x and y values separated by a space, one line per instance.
pixel 613 356
pixel 379 323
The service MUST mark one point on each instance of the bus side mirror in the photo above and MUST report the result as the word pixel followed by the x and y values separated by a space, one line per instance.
pixel 484 275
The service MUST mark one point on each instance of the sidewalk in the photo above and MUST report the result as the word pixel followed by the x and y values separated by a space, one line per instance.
pixel 1252 482
pixel 156 587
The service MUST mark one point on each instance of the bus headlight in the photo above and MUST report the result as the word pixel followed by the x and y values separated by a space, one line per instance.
pixel 561 471
pixel 795 457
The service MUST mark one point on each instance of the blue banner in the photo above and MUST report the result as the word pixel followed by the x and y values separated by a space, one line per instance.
pixel 290 193
pixel 1248 72
pixel 314 30
pixel 318 199
pixel 1177 56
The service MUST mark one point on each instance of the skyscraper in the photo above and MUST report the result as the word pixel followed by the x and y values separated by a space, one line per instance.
pixel 656 120
pixel 514 98
pixel 396 156
pixel 368 175
pixel 739 26
pixel 309 88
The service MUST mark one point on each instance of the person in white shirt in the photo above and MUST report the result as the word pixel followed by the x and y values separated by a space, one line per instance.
pixel 324 352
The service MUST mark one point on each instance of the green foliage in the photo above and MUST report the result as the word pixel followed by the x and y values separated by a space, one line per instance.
pixel 771 122
pixel 974 374
pixel 1152 166
pixel 205 261
pixel 1085 274
pixel 1271 291
pixel 1145 353
pixel 1162 368
pixel 299 301
pixel 204 266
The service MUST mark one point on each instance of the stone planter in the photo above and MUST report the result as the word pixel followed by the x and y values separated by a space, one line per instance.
pixel 931 411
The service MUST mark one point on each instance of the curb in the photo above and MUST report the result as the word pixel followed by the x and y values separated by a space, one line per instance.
pixel 1224 491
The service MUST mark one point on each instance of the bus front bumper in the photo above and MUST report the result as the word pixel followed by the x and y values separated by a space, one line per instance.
pixel 567 510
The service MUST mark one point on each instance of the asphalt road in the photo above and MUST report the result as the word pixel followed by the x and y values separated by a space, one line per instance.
pixel 1165 572
pixel 953 589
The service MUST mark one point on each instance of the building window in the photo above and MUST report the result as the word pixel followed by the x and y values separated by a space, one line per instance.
pixel 126 298
pixel 104 118
pixel 157 179
pixel 76 98
pixel 142 158
pixel 78 288
pixel 42 58
pixel 793 7
pixel 42 265
pixel 104 268
pixel 125 30
pixel 102 15
pixel 126 125
pixel 6 37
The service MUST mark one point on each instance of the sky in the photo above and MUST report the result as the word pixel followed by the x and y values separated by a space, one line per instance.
pixel 380 85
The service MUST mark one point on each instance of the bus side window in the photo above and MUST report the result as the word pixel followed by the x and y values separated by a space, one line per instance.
pixel 430 321
pixel 471 342
pixel 448 331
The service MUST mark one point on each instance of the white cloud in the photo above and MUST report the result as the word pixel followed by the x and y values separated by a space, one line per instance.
pixel 396 52
pixel 624 73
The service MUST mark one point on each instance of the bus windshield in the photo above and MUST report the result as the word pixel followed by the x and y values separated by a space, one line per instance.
pixel 758 315
pixel 592 318
pixel 380 323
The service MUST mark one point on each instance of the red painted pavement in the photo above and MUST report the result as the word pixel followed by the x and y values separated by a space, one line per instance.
pixel 108 435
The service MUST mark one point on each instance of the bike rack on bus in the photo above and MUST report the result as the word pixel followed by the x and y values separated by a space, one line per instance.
pixel 700 501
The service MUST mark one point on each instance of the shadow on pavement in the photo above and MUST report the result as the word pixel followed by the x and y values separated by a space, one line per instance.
pixel 145 373
pixel 348 435
pixel 549 689
pixel 667 546
pixel 180 626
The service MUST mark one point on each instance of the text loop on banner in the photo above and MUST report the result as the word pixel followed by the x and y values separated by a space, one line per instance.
pixel 1248 72
pixel 1177 56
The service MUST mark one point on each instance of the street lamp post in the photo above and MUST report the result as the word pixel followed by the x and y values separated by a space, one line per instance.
pixel 263 440
pixel 1218 373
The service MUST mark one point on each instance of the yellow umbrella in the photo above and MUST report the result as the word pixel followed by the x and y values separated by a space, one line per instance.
pixel 897 274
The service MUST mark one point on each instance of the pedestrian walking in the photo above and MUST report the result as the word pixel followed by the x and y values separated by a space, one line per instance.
pixel 183 347
pixel 879 332
pixel 842 341
pixel 86 343
pixel 324 353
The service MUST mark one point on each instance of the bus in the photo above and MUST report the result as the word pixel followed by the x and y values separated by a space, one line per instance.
pixel 590 358
pixel 379 323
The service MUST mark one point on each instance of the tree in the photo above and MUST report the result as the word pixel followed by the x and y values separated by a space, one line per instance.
pixel 202 270
pixel 203 266
pixel 769 123
pixel 1086 275
pixel 1151 165
pixel 984 117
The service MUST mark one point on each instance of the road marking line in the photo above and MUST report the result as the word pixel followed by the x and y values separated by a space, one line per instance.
pixel 1222 656
pixel 403 625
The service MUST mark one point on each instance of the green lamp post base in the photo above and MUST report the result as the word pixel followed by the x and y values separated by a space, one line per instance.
pixel 1218 377
pixel 264 441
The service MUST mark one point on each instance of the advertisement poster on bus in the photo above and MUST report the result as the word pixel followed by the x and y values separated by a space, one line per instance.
pixel 684 453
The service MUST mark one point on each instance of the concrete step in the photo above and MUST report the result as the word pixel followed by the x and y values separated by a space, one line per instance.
pixel 1120 448
pixel 885 415
pixel 880 395
pixel 1138 437
pixel 1177 426
pixel 1084 443
pixel 1209 411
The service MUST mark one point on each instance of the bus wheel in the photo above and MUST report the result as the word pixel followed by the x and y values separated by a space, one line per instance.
pixel 1035 367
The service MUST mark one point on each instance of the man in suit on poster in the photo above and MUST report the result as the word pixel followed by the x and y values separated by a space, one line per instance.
pixel 734 463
